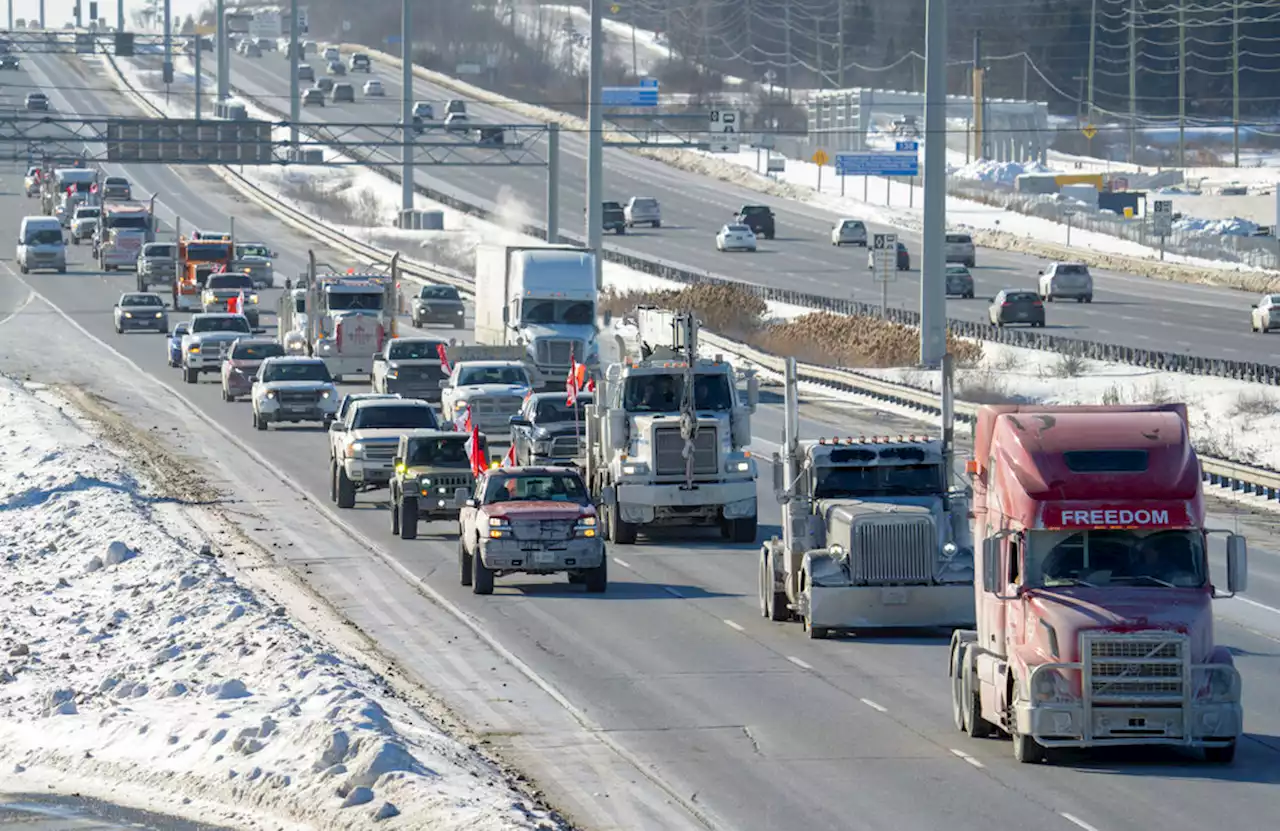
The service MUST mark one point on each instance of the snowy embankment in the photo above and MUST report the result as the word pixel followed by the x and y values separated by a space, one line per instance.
pixel 136 669
pixel 1231 419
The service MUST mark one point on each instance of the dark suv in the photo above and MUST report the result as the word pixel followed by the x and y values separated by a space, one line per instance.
pixel 759 218
pixel 614 218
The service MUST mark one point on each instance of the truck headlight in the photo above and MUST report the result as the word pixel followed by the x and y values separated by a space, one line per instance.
pixel 393 374
pixel 1050 686
pixel 128 314
pixel 271 395
pixel 498 528
pixel 326 394
pixel 1217 688
pixel 738 463
pixel 159 315
pixel 586 527
pixel 354 449
pixel 193 348
pixel 635 469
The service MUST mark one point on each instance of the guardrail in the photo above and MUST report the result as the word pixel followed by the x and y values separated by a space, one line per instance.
pixel 1259 481
pixel 1223 473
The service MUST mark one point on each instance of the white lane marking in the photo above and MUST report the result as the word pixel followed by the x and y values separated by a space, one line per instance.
pixel 738 626
pixel 31 295
pixel 622 562
pixel 1271 609
pixel 673 592
pixel 880 708
pixel 967 758
pixel 799 662
pixel 1076 821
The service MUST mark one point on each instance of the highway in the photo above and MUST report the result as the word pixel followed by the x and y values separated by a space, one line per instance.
pixel 755 723
pixel 1127 309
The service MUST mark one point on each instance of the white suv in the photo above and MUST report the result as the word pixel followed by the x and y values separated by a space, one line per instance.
pixel 960 249
pixel 1066 281
pixel 849 232
pixel 642 210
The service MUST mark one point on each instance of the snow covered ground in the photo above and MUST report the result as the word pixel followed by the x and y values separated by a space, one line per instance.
pixel 136 668
pixel 1233 419
pixel 1229 419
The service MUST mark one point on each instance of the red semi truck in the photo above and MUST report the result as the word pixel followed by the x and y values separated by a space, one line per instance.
pixel 1093 594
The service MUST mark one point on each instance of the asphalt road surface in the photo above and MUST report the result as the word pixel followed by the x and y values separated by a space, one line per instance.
pixel 751 720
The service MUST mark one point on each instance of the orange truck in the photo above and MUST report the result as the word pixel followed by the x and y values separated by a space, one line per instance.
pixel 197 259
pixel 1092 590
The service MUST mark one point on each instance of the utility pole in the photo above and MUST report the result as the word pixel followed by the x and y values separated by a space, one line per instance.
pixel 42 26
pixel 1133 81
pixel 1026 76
pixel 553 183
pixel 817 51
pixel 933 300
pixel 119 16
pixel 1235 84
pixel 595 140
pixel 1182 85
pixel 11 15
pixel 1093 45
pixel 840 44
pixel 295 106
pixel 166 71
pixel 786 48
pixel 979 96
pixel 406 106
pixel 199 77
pixel 749 51
pixel 224 54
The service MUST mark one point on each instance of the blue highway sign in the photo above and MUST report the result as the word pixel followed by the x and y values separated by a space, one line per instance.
pixel 877 164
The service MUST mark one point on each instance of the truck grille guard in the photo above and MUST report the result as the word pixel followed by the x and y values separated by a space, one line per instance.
pixel 1149 670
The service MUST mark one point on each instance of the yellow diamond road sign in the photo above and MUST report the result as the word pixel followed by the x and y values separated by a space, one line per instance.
pixel 1090 131
pixel 820 157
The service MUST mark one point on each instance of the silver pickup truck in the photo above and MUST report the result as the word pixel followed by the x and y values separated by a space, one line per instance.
pixel 157 265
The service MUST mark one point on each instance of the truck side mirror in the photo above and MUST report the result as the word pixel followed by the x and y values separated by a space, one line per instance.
pixel 778 484
pixel 379 357
pixel 1237 564
pixel 618 430
pixel 444 383
pixel 462 498
pixel 397 461
pixel 334 426
pixel 470 503
pixel 506 315
pixel 991 566
pixel 609 496
pixel 753 394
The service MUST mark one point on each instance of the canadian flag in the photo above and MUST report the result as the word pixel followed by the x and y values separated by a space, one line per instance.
pixel 218 268
pixel 444 359
pixel 577 382
pixel 479 464
pixel 509 460
pixel 93 188
pixel 235 304
pixel 71 189
pixel 462 421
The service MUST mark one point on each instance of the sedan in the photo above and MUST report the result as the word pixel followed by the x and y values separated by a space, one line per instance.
pixel 1016 306
pixel 736 238
pixel 373 89
pixel 313 97
pixel 180 331
pixel 904 258
pixel 959 281
pixel 1265 315
pixel 9 62
pixel 37 101
pixel 139 310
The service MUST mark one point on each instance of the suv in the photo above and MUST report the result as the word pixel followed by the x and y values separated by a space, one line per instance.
pixel 643 210
pixel 613 218
pixel 1066 281
pixel 759 218
pixel 960 249
pixel 306 72
pixel 363 445
pixel 360 63
pixel 432 479
pixel 849 232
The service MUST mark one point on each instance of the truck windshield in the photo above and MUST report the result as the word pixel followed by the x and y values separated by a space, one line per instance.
pixel 395 418
pixel 663 393
pixel 128 222
pixel 474 375
pixel 415 350
pixel 542 487
pixel 230 323
pixel 449 452
pixel 878 480
pixel 229 281
pixel 1172 558
pixel 208 251
pixel 547 312
pixel 552 410
pixel 360 301
pixel 296 371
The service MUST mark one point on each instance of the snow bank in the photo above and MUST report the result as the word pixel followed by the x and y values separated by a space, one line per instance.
pixel 996 173
pixel 1233 227
pixel 1229 419
pixel 135 668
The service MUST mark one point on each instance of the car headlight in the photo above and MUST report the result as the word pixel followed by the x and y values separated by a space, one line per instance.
pixel 1050 687
pixel 128 314
pixel 393 374
pixel 159 315
pixel 498 528
pixel 585 527
pixel 270 394
pixel 326 394
pixel 253 299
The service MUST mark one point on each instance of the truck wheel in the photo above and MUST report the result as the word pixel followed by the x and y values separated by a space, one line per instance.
pixel 620 531
pixel 975 726
pixel 408 512
pixel 259 422
pixel 577 578
pixel 190 375
pixel 597 579
pixel 464 562
pixel 481 575
pixel 815 633
pixel 395 516
pixel 743 530
pixel 346 489
pixel 459 324
pixel 1027 750
pixel 333 480
pixel 773 603
pixel 1221 755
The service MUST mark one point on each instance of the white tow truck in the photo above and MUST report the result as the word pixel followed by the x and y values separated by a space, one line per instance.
pixel 873 534
pixel 667 436
pixel 346 318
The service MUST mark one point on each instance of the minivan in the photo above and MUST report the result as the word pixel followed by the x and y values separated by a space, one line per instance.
pixel 41 246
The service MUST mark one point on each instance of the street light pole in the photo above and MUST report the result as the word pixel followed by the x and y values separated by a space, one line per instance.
pixel 595 142
pixel 406 106
pixel 933 300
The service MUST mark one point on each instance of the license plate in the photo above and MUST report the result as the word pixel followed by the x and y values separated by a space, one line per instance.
pixel 893 596
pixel 543 557
pixel 530 546
pixel 296 408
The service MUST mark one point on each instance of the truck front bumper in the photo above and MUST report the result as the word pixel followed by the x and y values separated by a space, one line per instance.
pixel 542 557
pixel 644 504
pixel 365 472
pixel 891 607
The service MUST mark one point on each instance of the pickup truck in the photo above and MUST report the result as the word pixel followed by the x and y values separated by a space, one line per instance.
pixel 614 218
pixel 410 367
pixel 363 445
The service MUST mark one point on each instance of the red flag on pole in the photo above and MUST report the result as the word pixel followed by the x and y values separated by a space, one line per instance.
pixel 444 359
pixel 462 421
pixel 233 304
pixel 509 460
pixel 479 464
pixel 573 383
